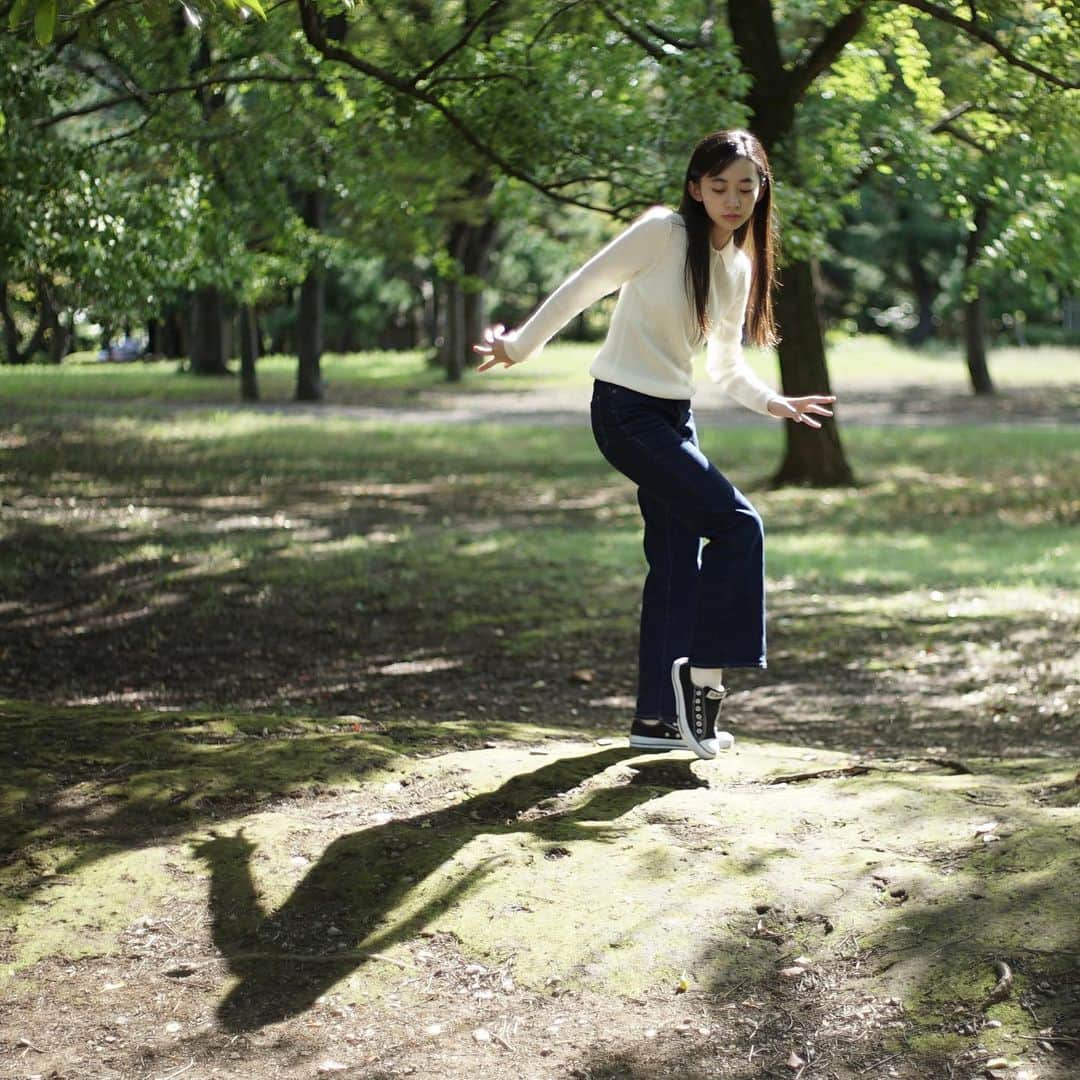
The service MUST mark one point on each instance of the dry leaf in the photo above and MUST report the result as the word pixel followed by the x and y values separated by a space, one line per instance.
pixel 482 1035
pixel 985 827
pixel 331 1066
pixel 792 972
pixel 794 1062
pixel 583 675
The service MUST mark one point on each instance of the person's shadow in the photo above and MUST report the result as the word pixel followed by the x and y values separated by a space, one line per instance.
pixel 341 912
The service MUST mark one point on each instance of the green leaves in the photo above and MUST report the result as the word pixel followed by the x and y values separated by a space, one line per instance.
pixel 45 21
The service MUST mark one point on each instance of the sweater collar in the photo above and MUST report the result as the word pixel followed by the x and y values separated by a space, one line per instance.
pixel 726 254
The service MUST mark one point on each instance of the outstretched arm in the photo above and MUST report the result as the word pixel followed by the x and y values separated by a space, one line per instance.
pixel 631 252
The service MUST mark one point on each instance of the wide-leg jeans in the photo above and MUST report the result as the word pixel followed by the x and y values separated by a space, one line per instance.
pixel 704 594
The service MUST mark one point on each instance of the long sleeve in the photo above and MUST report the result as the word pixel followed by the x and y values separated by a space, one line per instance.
pixel 724 359
pixel 631 252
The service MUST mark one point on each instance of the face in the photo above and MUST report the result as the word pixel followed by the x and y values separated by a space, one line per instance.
pixel 730 196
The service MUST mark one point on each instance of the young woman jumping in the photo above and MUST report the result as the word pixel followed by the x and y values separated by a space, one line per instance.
pixel 687 278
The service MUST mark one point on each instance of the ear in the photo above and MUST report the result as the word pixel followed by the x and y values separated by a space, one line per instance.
pixel 694 187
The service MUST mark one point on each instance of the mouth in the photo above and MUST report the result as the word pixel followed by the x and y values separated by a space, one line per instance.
pixel 732 217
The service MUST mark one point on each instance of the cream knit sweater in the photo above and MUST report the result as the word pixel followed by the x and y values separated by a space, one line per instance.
pixel 653 334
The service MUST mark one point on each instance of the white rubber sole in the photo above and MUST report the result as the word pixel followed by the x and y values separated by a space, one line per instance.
pixel 647 742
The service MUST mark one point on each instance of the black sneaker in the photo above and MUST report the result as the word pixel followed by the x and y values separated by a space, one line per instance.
pixel 698 707
pixel 656 735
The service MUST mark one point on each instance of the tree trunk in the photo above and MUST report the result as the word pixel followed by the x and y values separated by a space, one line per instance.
pixel 208 333
pixel 975 307
pixel 11 330
pixel 249 351
pixel 811 456
pixel 478 247
pixel 309 326
pixel 13 354
pixel 923 285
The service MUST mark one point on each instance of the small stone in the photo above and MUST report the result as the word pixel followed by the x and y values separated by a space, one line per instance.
pixel 794 1062
pixel 482 1035
pixel 433 1029
pixel 172 1027
pixel 993 1023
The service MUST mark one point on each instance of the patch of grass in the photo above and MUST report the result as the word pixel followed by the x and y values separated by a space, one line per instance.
pixel 395 377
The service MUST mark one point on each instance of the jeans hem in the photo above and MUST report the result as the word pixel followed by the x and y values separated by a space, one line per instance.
pixel 761 664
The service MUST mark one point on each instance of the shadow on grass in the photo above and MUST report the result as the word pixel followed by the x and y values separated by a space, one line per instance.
pixel 282 958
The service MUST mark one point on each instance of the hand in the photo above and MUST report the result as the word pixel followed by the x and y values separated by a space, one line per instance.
pixel 493 349
pixel 801 410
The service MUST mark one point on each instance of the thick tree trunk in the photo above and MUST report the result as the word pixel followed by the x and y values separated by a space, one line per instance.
pixel 310 311
pixel 208 333
pixel 13 354
pixel 923 284
pixel 478 248
pixel 469 245
pixel 812 456
pixel 249 352
pixel 11 330
pixel 975 307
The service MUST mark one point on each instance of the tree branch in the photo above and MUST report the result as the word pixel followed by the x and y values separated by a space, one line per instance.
pixel 824 54
pixel 165 91
pixel 974 30
pixel 654 50
pixel 313 31
pixel 470 29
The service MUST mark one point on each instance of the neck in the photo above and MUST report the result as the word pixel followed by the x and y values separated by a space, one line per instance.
pixel 719 236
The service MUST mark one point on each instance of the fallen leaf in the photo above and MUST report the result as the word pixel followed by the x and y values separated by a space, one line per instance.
pixel 433 1029
pixel 582 675
pixel 682 985
pixel 331 1066
pixel 792 972
pixel 172 1027
pixel 482 1035
pixel 985 827
pixel 794 1062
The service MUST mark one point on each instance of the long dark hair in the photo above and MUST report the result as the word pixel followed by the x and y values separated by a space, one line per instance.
pixel 757 236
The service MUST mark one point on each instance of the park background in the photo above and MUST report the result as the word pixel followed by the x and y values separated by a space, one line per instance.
pixel 317 649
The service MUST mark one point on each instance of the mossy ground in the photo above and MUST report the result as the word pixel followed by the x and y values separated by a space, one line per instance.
pixel 313 744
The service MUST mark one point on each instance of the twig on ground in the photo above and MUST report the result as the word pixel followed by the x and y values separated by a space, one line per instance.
pixel 30 1046
pixel 879 1063
pixel 821 774
pixel 182 1069
pixel 1066 1039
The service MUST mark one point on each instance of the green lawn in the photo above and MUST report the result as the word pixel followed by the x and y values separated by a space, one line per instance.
pixel 385 376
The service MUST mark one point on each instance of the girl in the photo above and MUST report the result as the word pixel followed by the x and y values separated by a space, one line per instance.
pixel 686 278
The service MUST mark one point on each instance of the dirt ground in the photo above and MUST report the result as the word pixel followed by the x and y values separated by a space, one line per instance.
pixel 232 860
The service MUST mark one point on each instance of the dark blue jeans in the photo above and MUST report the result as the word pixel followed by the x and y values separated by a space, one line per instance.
pixel 704 594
